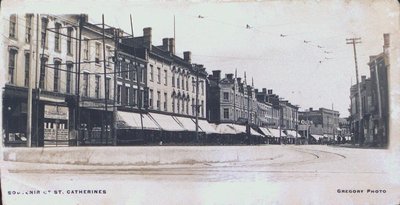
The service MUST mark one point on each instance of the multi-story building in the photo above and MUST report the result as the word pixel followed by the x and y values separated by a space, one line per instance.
pixel 268 111
pixel 379 66
pixel 230 100
pixel 42 53
pixel 171 80
pixel 371 126
pixel 324 121
pixel 289 115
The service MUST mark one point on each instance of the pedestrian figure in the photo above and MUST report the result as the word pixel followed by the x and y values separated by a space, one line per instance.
pixel 160 143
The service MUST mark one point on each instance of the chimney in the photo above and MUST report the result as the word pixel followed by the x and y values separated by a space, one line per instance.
pixel 172 45
pixel 239 80
pixel 217 74
pixel 147 37
pixel 264 90
pixel 386 42
pixel 256 91
pixel 269 92
pixel 187 56
pixel 229 76
pixel 311 109
pixel 165 43
pixel 363 78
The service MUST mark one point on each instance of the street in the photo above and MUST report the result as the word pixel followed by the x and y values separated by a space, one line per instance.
pixel 294 174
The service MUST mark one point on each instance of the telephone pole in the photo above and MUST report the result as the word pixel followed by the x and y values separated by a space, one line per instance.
pixel 355 41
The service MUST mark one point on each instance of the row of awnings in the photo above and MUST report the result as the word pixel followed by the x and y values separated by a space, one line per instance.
pixel 156 121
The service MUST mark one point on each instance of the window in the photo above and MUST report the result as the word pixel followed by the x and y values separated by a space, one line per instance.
pixel 158 75
pixel 134 73
pixel 178 82
pixel 85 49
pixel 44 32
pixel 97 53
pixel 42 79
pixel 183 83
pixel 226 96
pixel 187 107
pixel 142 72
pixel 165 101
pixel 27 58
pixel 151 73
pixel 12 65
pixel 28 28
pixel 193 107
pixel 151 98
pixel 183 106
pixel 202 88
pixel 69 41
pixel 173 79
pixel 109 55
pixel 202 108
pixel 69 77
pixel 134 96
pixel 108 84
pixel 56 82
pixel 173 105
pixel 85 84
pixel 165 77
pixel 57 39
pixel 226 113
pixel 178 106
pixel 158 100
pixel 13 26
pixel 119 67
pixel 187 84
pixel 193 85
pixel 118 94
pixel 127 95
pixel 97 86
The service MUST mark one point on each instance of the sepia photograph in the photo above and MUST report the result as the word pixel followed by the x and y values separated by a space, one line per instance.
pixel 200 102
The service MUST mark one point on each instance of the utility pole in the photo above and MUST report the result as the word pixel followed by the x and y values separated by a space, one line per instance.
pixel 116 64
pixel 140 73
pixel 355 41
pixel 78 78
pixel 105 121
pixel 29 103
pixel 234 96
pixel 197 102
pixel 36 80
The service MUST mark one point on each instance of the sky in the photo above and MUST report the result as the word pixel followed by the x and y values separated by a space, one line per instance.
pixel 297 48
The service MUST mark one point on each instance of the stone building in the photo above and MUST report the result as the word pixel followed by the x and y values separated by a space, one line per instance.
pixel 324 121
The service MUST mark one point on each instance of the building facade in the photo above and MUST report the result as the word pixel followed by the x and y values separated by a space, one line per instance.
pixel 324 121
pixel 230 100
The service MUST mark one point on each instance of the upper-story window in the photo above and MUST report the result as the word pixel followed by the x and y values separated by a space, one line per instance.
pixel 158 75
pixel 165 101
pixel 12 63
pixel 27 63
pixel 165 77
pixel 183 82
pixel 85 84
pixel 226 96
pixel 173 79
pixel 178 82
pixel 69 77
pixel 57 39
pixel 119 94
pixel 97 52
pixel 151 73
pixel 13 26
pixel 86 49
pixel 43 32
pixel 56 82
pixel 187 84
pixel 28 28
pixel 151 98
pixel 69 41
pixel 97 86
pixel 109 55
pixel 108 87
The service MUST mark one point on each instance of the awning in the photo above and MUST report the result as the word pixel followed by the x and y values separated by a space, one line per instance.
pixel 207 127
pixel 275 132
pixel 131 120
pixel 226 129
pixel 186 123
pixel 237 129
pixel 292 133
pixel 266 131
pixel 317 137
pixel 166 122
pixel 328 136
